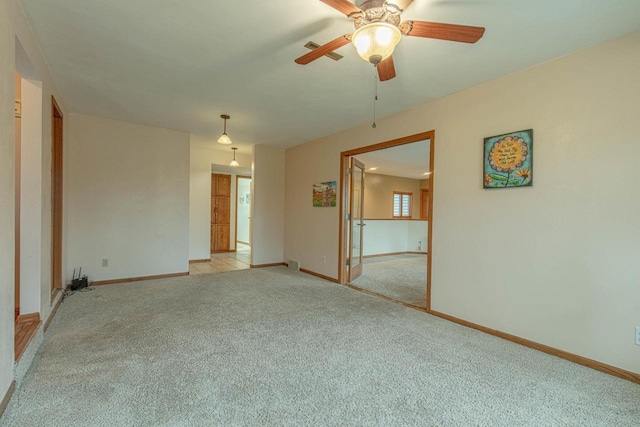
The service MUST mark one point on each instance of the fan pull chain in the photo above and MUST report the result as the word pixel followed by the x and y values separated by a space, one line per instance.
pixel 375 98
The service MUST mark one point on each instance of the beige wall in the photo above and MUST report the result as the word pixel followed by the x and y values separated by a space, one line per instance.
pixel 7 198
pixel 267 205
pixel 129 199
pixel 555 263
pixel 34 292
pixel 378 195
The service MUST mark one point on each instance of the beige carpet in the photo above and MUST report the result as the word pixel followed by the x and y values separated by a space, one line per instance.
pixel 401 277
pixel 277 347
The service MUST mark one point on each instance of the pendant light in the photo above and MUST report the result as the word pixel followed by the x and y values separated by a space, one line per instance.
pixel 224 138
pixel 234 162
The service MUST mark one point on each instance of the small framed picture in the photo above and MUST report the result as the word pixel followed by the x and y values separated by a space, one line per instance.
pixel 324 194
pixel 508 160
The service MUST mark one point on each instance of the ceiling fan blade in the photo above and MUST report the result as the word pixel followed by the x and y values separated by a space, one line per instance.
pixel 386 69
pixel 437 30
pixel 324 49
pixel 343 6
pixel 402 4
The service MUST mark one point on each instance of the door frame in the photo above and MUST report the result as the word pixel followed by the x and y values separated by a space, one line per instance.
pixel 344 193
pixel 57 194
pixel 17 123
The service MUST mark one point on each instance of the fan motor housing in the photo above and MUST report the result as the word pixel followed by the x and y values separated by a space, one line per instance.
pixel 376 11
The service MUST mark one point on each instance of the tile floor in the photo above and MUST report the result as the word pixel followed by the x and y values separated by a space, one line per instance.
pixel 227 261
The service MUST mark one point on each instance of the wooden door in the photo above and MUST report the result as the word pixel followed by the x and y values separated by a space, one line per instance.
pixel 356 221
pixel 424 203
pixel 220 212
pixel 56 195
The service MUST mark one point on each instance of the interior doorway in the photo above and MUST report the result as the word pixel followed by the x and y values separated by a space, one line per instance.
pixel 230 222
pixel 396 254
pixel 29 146
pixel 243 213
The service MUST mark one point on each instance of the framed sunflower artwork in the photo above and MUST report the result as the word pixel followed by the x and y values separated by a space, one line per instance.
pixel 508 160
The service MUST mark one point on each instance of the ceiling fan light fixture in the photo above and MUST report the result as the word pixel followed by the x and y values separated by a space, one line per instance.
pixel 375 42
pixel 224 138
pixel 234 162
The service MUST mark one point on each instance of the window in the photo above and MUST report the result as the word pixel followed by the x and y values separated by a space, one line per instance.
pixel 401 204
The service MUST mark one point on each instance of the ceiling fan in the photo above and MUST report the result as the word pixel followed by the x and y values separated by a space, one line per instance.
pixel 379 29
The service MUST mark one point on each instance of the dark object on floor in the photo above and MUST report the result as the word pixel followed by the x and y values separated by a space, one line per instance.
pixel 79 282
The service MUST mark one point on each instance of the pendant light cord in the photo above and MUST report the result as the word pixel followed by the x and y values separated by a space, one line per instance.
pixel 375 97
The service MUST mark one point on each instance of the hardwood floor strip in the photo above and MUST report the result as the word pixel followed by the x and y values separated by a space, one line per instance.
pixel 25 329
pixel 137 279
pixel 581 360
pixel 321 276
pixel 7 397
pixel 196 261
pixel 31 317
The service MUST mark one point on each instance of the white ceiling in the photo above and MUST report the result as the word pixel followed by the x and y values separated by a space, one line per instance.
pixel 407 161
pixel 179 65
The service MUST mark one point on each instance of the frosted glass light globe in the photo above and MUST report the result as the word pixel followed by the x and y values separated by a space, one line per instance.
pixel 375 42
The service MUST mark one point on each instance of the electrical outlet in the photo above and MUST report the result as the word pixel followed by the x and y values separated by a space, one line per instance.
pixel 637 335
pixel 105 262
pixel 324 259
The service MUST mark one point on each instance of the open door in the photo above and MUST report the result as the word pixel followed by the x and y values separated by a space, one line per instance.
pixel 356 219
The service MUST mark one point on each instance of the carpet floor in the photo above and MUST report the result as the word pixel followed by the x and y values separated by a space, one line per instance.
pixel 401 277
pixel 278 347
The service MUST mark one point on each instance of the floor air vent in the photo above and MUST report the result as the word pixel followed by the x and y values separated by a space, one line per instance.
pixel 294 265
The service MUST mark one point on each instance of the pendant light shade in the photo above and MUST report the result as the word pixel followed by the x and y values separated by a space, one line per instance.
pixel 224 138
pixel 234 162
pixel 375 42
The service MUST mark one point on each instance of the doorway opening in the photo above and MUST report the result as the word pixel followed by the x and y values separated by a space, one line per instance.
pixel 230 224
pixel 385 219
pixel 28 200
pixel 243 214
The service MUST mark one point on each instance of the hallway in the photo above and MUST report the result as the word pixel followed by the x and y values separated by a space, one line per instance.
pixel 227 261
